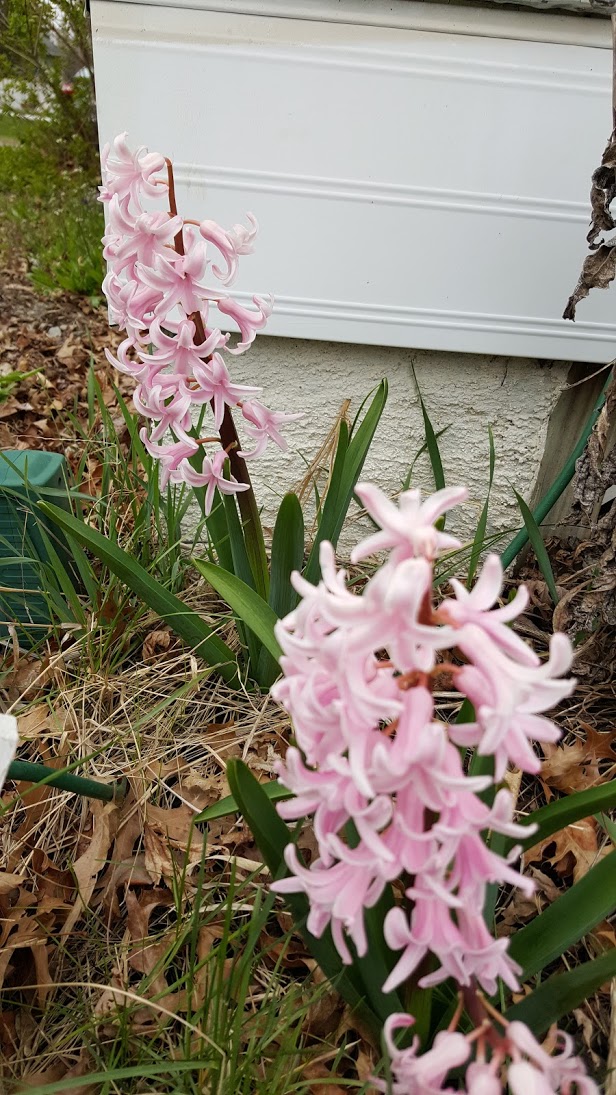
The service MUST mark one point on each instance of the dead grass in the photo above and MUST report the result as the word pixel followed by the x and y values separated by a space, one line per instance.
pixel 119 922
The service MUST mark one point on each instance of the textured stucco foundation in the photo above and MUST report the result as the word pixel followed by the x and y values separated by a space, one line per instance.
pixel 464 392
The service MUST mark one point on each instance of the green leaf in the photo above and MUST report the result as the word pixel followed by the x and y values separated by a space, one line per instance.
pixel 359 983
pixel 480 533
pixel 216 524
pixel 348 463
pixel 563 992
pixel 433 449
pixel 227 806
pixel 568 919
pixel 534 535
pixel 186 623
pixel 272 837
pixel 241 566
pixel 424 448
pixel 566 811
pixel 241 569
pixel 244 602
pixel 287 555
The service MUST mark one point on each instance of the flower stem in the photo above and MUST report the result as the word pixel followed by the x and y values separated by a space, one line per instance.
pixel 249 511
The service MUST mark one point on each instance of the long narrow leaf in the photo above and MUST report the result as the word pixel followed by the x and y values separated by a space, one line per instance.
pixel 480 533
pixel 244 602
pixel 424 448
pixel 227 806
pixel 536 539
pixel 186 623
pixel 287 555
pixel 355 983
pixel 433 450
pixel 563 992
pixel 216 524
pixel 342 485
pixel 272 836
pixel 566 811
pixel 567 919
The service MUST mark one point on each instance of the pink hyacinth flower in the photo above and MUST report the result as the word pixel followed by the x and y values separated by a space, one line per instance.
pixel 179 281
pixel 129 174
pixel 544 1071
pixel 423 1074
pixel 475 607
pixel 230 245
pixel 263 425
pixel 132 239
pixel 482 1079
pixel 215 386
pixel 509 698
pixel 248 320
pixel 171 456
pixel 212 477
pixel 407 530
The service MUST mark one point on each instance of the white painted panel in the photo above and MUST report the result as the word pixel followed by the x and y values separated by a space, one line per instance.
pixel 414 188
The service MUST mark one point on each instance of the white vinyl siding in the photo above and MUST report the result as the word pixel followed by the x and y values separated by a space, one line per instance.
pixel 420 171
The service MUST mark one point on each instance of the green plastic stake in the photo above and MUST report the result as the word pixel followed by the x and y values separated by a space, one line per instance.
pixel 29 772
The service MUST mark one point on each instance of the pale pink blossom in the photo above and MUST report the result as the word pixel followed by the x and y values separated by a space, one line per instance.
pixel 130 174
pixel 123 362
pixel 180 350
pixel 509 698
pixel 211 475
pixel 248 320
pixel 263 425
pixel 475 607
pixel 545 1071
pixel 158 292
pixel 424 1074
pixel 408 529
pixel 131 303
pixel 179 280
pixel 130 239
pixel 244 238
pixel 172 456
pixel 482 1079
pixel 338 896
pixel 169 413
pixel 215 386
pixel 238 241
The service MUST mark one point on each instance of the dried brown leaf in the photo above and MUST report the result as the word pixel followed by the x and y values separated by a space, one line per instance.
pixel 580 765
pixel 89 865
pixel 572 851
pixel 10 882
pixel 156 643
pixel 598 272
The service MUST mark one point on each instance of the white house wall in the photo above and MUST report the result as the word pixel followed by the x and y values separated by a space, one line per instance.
pixel 422 197
pixel 414 188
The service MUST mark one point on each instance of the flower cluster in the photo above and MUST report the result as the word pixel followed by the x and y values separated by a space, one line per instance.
pixel 506 1056
pixel 383 778
pixel 357 682
pixel 157 293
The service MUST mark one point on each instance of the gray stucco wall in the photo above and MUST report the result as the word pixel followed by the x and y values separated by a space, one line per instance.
pixel 463 391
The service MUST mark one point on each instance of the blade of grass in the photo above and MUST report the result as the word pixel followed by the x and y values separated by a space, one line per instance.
pixel 480 534
pixel 186 623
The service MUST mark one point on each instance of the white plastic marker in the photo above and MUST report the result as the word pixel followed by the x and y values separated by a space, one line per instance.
pixel 8 743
